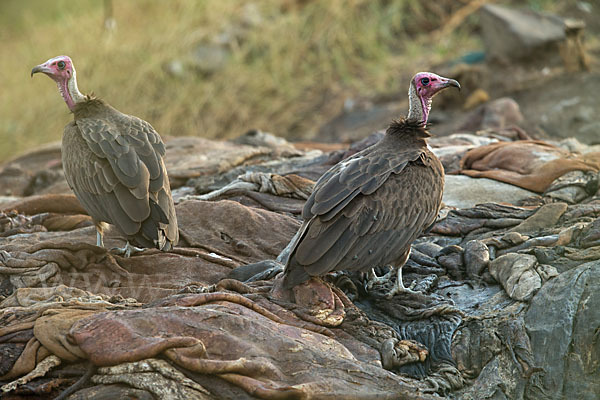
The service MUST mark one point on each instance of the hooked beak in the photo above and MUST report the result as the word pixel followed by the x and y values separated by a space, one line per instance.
pixel 40 68
pixel 452 82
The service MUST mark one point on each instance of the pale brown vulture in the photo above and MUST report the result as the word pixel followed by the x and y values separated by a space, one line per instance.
pixel 114 164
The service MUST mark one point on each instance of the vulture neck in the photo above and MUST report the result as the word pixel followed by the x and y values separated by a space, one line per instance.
pixel 70 93
pixel 418 107
pixel 407 131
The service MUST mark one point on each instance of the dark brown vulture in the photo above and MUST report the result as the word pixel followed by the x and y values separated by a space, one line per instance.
pixel 114 164
pixel 367 210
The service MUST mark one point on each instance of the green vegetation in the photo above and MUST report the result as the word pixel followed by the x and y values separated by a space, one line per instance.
pixel 288 64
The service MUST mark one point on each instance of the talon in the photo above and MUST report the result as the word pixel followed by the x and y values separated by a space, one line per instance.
pixel 127 250
pixel 400 288
pixel 373 279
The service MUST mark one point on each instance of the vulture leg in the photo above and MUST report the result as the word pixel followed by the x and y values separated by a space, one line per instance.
pixel 99 239
pixel 100 226
pixel 126 251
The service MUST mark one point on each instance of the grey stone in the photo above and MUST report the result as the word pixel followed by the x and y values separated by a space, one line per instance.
pixel 546 216
pixel 546 272
pixel 569 194
pixel 477 257
pixel 573 186
pixel 562 322
pixel 451 258
pixel 175 68
pixel 501 113
pixel 463 191
pixel 517 275
pixel 499 380
pixel 497 115
pixel 510 33
pixel 209 58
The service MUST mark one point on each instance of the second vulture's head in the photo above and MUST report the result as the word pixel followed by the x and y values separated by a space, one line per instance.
pixel 423 86
pixel 62 71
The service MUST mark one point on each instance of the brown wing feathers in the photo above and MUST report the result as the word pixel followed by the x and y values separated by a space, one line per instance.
pixel 365 211
pixel 117 172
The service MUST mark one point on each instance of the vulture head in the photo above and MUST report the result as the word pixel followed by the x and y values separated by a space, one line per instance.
pixel 423 86
pixel 62 71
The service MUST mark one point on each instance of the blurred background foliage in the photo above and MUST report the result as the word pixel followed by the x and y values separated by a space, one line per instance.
pixel 217 68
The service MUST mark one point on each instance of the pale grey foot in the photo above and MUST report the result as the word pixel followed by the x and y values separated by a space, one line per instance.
pixel 373 279
pixel 99 239
pixel 127 251
pixel 399 286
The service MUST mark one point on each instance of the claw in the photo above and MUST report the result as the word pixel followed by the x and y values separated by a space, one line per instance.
pixel 373 279
pixel 400 288
pixel 126 251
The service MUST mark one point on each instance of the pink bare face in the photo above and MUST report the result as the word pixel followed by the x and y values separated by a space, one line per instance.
pixel 428 84
pixel 58 68
pixel 61 70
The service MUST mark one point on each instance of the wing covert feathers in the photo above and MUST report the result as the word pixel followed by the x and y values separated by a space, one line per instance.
pixel 368 209
pixel 114 164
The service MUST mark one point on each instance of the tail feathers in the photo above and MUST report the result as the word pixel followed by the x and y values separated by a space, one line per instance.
pixel 153 229
pixel 156 213
pixel 294 275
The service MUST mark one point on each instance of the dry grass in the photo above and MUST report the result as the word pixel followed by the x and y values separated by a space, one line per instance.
pixel 286 73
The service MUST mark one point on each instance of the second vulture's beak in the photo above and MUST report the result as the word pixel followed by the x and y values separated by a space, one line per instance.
pixel 40 68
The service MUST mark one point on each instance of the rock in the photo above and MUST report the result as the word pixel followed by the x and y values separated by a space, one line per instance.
pixel 360 122
pixel 497 373
pixel 175 68
pixel 562 322
pixel 510 34
pixel 570 194
pixel 546 272
pixel 590 235
pixel 7 200
pixel 189 157
pixel 573 186
pixel 14 181
pixel 483 217
pixel 477 258
pixel 501 113
pixel 152 377
pixel 546 216
pixel 209 58
pixel 18 176
pixel 232 230
pixel 554 106
pixel 585 6
pixel 463 192
pixel 479 96
pixel 251 15
pixel 451 258
pixel 517 274
pixel 459 139
pixel 256 137
pixel 261 190
pixel 428 248
pixel 497 114
pixel 111 392
pixel 573 145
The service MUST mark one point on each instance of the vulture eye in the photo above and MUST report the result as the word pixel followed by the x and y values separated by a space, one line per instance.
pixel 61 65
pixel 424 81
